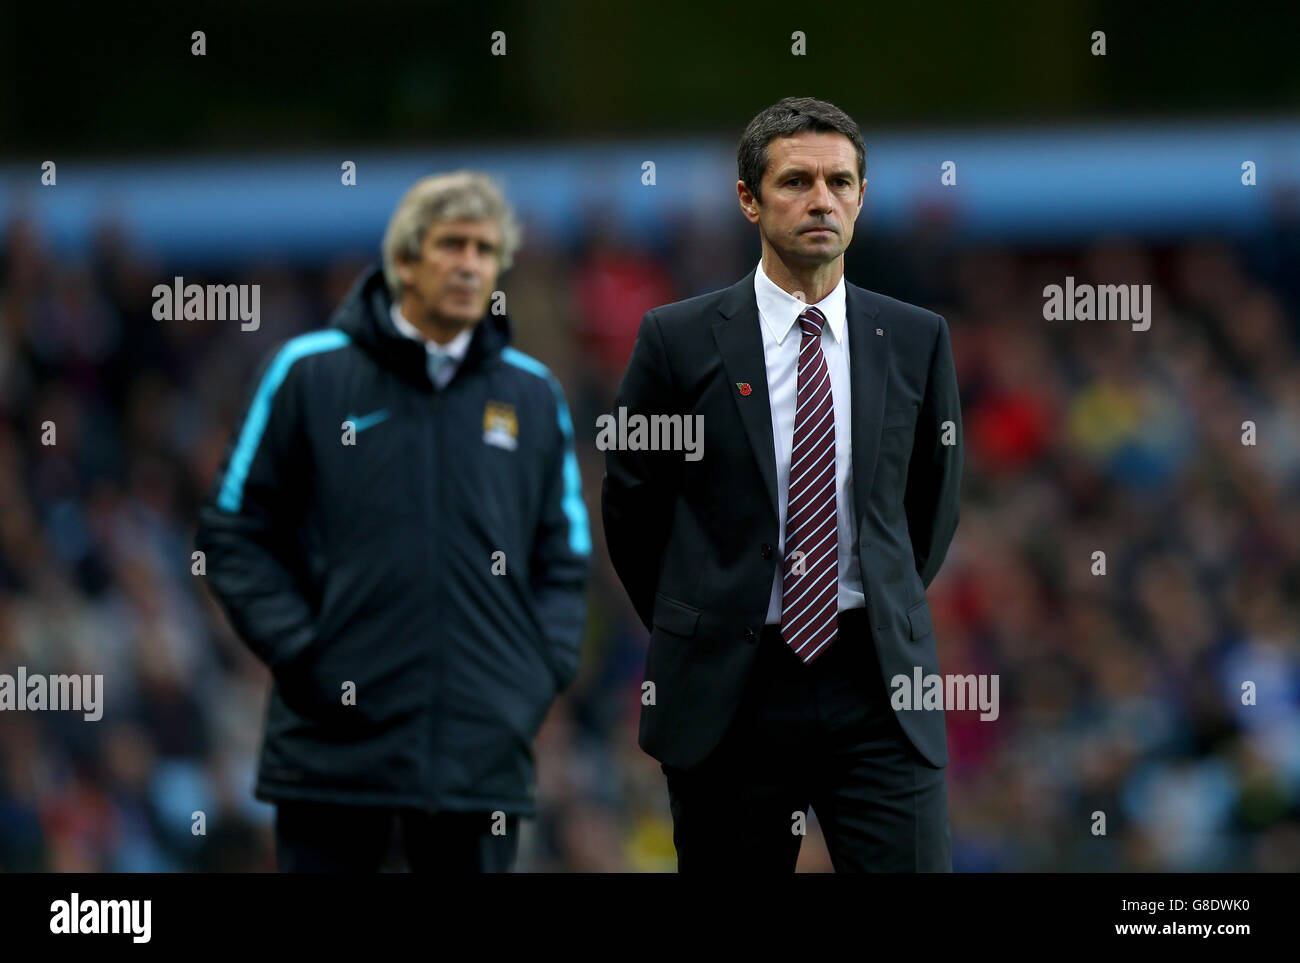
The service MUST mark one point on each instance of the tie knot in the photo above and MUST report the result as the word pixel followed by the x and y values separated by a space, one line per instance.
pixel 811 321
pixel 438 361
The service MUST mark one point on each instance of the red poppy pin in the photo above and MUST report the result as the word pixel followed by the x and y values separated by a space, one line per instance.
pixel 744 387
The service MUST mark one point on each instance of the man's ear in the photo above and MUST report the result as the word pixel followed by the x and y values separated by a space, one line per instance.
pixel 749 204
pixel 405 270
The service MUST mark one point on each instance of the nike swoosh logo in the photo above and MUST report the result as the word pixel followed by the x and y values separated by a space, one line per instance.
pixel 363 422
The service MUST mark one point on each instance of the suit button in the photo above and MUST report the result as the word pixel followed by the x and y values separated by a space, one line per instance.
pixel 765 550
pixel 751 636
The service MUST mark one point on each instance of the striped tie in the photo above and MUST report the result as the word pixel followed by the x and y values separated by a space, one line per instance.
pixel 811 585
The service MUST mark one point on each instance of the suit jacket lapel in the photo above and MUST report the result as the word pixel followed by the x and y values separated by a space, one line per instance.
pixel 868 371
pixel 740 344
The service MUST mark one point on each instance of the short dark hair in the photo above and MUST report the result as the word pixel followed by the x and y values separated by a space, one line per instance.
pixel 785 118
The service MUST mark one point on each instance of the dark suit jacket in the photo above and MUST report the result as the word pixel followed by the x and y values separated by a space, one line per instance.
pixel 694 542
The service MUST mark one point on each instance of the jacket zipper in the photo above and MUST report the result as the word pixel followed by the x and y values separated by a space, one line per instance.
pixel 432 491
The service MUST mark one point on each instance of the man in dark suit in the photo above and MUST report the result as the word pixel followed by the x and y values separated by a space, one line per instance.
pixel 782 574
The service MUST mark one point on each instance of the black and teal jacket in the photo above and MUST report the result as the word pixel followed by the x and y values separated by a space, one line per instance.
pixel 422 553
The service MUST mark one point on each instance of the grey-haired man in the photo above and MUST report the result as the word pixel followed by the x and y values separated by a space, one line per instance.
pixel 398 532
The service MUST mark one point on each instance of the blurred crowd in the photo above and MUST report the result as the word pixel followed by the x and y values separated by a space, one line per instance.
pixel 1161 694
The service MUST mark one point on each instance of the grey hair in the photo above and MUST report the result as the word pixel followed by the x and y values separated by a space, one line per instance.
pixel 459 196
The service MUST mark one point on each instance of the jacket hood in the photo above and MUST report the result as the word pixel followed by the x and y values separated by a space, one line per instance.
pixel 365 314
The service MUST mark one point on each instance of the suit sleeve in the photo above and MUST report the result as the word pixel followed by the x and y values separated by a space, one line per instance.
pixel 639 487
pixel 245 530
pixel 561 558
pixel 933 497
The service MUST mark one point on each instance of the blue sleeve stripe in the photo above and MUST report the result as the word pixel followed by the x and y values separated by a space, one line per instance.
pixel 574 507
pixel 259 412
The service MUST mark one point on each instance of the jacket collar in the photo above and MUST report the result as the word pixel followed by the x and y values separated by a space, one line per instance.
pixel 365 314
pixel 740 344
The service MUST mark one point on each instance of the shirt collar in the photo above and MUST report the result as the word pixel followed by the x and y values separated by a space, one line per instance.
pixel 780 310
pixel 455 348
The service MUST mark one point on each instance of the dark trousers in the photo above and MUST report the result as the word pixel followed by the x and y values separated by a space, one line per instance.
pixel 323 838
pixel 820 734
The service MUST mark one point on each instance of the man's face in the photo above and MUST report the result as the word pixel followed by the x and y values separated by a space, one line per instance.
pixel 453 278
pixel 811 197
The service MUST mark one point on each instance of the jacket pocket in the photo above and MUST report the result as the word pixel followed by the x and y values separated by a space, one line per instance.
pixel 301 688
pixel 675 617
pixel 918 620
pixel 903 416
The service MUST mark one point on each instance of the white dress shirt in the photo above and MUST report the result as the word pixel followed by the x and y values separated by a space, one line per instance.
pixel 443 358
pixel 779 313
